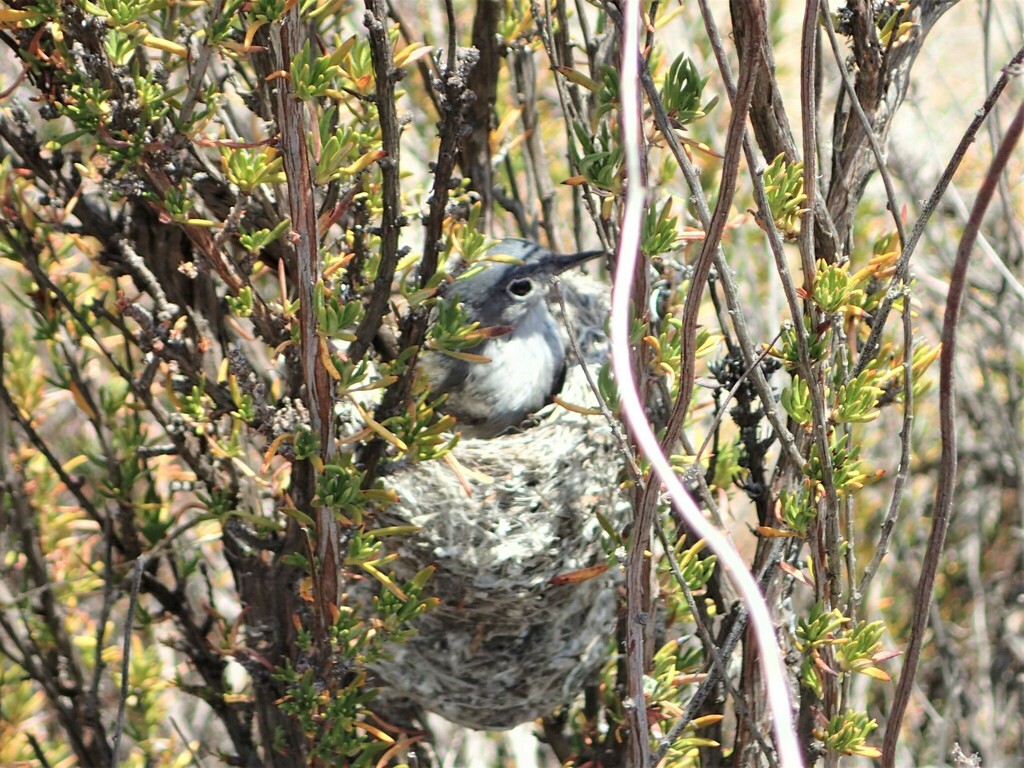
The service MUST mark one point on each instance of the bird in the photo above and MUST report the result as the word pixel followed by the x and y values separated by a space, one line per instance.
pixel 525 353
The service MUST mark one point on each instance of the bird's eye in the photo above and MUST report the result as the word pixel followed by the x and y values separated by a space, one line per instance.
pixel 521 287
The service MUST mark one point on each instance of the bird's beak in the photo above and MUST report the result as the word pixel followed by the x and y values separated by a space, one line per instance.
pixel 563 261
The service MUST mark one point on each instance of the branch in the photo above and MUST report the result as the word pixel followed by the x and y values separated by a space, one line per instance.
pixel 392 220
pixel 947 419
pixel 305 238
pixel 729 287
pixel 126 655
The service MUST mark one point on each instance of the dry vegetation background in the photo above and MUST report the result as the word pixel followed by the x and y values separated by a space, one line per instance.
pixel 193 283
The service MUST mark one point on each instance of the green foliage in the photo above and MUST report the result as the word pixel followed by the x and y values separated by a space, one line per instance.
pixel 316 76
pixel 847 734
pixel 857 400
pixel 796 399
pixel 598 158
pixel 334 318
pixel 682 91
pixel 452 334
pixel 818 345
pixel 605 89
pixel 666 349
pixel 660 230
pixel 820 630
pixel 256 241
pixel 264 11
pixel 847 466
pixel 797 511
pixel 863 650
pixel 345 150
pixel 250 168
pixel 356 641
pixel 340 487
pixel 696 571
pixel 784 187
pixel 241 305
pixel 833 287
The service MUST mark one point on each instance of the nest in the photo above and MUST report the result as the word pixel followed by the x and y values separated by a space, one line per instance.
pixel 512 639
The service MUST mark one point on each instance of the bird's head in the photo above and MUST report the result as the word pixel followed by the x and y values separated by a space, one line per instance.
pixel 504 290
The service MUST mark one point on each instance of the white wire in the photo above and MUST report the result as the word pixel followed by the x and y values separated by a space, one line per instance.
pixel 770 657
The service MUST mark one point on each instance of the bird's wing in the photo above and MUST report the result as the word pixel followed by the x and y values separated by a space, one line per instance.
pixel 445 375
pixel 559 382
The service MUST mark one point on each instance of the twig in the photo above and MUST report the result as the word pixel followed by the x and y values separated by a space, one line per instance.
pixel 891 517
pixel 454 98
pixel 947 418
pixel 830 515
pixel 729 396
pixel 40 445
pixel 717 671
pixel 305 238
pixel 198 73
pixel 712 240
pixel 392 219
pixel 572 108
pixel 477 162
pixel 184 740
pixel 524 70
pixel 425 66
pixel 718 661
pixel 729 288
pixel 126 655
pixel 37 749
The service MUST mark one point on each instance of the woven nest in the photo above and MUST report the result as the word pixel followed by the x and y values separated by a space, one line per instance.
pixel 511 640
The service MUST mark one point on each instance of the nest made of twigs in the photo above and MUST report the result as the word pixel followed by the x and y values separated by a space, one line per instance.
pixel 513 638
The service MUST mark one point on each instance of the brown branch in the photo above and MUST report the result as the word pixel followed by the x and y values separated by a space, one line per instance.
pixel 294 128
pixel 54 666
pixel 712 240
pixel 475 148
pixel 729 287
pixel 392 220
pixel 827 570
pixel 454 99
pixel 126 655
pixel 947 417
pixel 881 84
pixel 906 439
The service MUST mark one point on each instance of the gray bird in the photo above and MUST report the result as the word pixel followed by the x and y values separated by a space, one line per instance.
pixel 527 362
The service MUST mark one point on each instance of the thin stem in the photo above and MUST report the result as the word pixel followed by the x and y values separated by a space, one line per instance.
pixel 729 396
pixel 876 149
pixel 305 238
pixel 947 420
pixel 729 288
pixel 899 486
pixel 614 424
pixel 126 655
pixel 717 672
pixel 718 660
pixel 392 219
